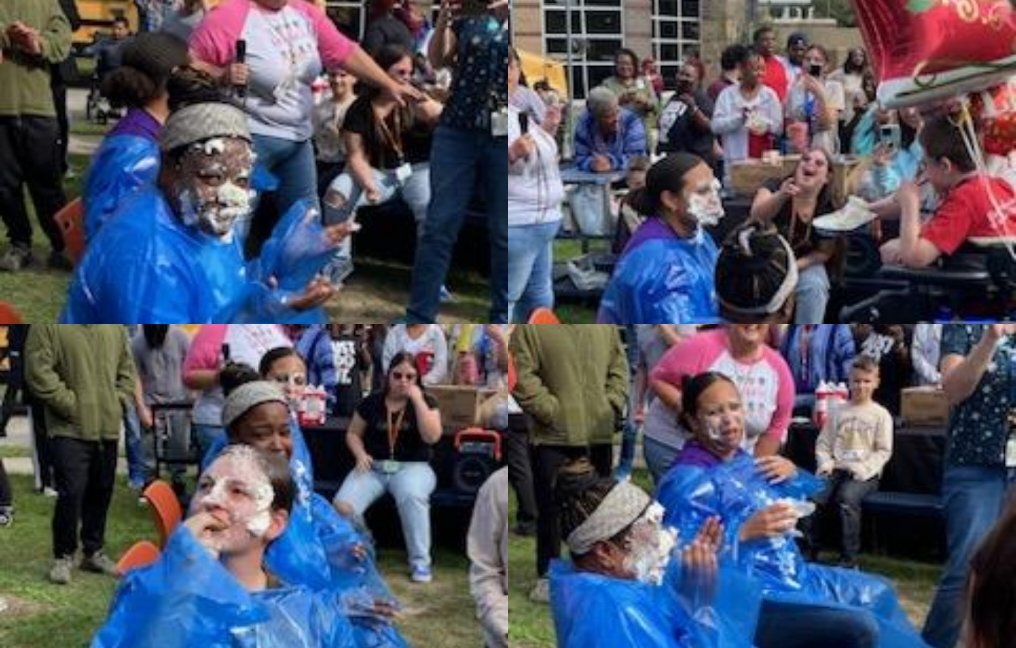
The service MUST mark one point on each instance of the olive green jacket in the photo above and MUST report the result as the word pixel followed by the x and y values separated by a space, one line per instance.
pixel 572 380
pixel 24 78
pixel 83 375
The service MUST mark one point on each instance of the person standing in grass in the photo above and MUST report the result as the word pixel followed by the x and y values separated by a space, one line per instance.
pixel 84 378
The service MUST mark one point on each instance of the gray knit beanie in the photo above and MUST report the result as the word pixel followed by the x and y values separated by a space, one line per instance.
pixel 249 395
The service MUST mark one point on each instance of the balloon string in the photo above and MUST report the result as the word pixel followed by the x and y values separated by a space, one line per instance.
pixel 999 217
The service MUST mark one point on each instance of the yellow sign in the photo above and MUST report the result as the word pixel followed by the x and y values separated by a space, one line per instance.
pixel 537 68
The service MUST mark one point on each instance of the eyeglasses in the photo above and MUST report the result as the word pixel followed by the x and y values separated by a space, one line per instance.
pixel 300 380
pixel 398 375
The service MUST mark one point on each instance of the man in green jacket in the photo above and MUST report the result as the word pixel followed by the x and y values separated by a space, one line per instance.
pixel 84 377
pixel 33 35
pixel 572 380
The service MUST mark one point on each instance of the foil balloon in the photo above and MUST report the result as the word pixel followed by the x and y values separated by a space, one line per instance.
pixel 994 110
pixel 928 50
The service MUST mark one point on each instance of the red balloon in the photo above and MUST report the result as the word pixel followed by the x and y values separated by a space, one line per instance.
pixel 924 50
pixel 994 110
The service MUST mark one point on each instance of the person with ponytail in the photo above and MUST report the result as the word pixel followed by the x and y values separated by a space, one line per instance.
pixel 623 586
pixel 756 276
pixel 759 502
pixel 128 157
pixel 665 274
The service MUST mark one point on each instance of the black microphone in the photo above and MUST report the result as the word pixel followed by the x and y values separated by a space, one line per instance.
pixel 241 58
pixel 524 123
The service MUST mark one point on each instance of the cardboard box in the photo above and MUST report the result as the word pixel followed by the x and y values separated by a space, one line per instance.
pixel 748 176
pixel 924 406
pixel 459 404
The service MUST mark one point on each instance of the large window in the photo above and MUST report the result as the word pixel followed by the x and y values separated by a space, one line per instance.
pixel 675 32
pixel 597 32
pixel 350 16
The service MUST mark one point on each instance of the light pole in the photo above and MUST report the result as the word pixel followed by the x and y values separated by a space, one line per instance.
pixel 569 69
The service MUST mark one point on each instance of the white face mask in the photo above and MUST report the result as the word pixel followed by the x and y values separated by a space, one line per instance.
pixel 651 546
pixel 704 204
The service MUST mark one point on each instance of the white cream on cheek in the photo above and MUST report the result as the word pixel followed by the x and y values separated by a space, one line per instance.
pixel 241 468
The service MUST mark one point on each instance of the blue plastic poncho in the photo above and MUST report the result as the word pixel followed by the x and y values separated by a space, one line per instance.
pixel 322 550
pixel 187 598
pixel 597 611
pixel 122 165
pixel 735 490
pixel 663 279
pixel 145 265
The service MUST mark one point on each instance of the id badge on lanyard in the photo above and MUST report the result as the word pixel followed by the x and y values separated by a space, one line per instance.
pixel 499 123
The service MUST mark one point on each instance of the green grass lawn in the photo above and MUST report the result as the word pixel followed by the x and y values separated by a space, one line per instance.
pixel 46 615
pixel 532 627
pixel 378 291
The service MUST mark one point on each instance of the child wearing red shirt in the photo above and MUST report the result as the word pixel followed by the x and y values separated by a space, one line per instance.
pixel 966 212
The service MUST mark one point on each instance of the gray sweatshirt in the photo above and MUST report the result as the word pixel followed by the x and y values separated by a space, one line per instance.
pixel 487 545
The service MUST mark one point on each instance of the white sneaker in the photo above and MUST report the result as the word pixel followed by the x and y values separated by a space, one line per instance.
pixel 541 591
pixel 50 492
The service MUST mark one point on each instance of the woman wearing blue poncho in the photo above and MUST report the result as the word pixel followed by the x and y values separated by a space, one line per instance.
pixel 128 158
pixel 211 586
pixel 169 253
pixel 759 502
pixel 319 549
pixel 665 275
pixel 622 589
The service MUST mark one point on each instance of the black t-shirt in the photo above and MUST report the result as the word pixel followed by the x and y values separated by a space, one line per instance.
pixel 348 383
pixel 386 30
pixel 415 136
pixel 803 238
pixel 409 446
pixel 685 135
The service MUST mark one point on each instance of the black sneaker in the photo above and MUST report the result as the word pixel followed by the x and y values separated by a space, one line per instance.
pixel 57 261
pixel 15 259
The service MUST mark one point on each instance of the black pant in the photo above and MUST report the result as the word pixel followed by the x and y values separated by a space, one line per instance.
pixel 30 155
pixel 846 493
pixel 59 88
pixel 791 625
pixel 547 460
pixel 520 471
pixel 85 475
pixel 43 454
pixel 6 497
pixel 601 456
pixel 10 402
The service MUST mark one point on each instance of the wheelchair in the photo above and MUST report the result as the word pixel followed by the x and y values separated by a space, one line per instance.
pixel 977 282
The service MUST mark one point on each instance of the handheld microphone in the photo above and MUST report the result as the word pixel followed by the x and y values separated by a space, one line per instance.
pixel 524 123
pixel 241 58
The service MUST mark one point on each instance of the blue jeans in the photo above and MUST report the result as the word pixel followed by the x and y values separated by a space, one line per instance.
pixel 205 436
pixel 456 157
pixel 974 499
pixel 812 295
pixel 292 163
pixel 411 487
pixel 790 625
pixel 659 457
pixel 138 468
pixel 530 268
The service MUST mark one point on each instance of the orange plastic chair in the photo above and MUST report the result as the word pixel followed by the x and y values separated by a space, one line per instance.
pixel 165 508
pixel 140 554
pixel 8 315
pixel 543 316
pixel 71 221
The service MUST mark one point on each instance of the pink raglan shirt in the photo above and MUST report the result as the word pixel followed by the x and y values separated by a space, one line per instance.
pixel 766 386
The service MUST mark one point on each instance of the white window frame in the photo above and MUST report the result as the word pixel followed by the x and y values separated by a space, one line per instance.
pixel 666 66
pixel 582 65
pixel 359 5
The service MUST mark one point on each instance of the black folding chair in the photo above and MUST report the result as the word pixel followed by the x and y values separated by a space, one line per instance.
pixel 167 418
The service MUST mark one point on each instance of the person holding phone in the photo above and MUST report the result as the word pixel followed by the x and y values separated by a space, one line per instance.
pixel 814 105
pixel 469 144
pixel 633 91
